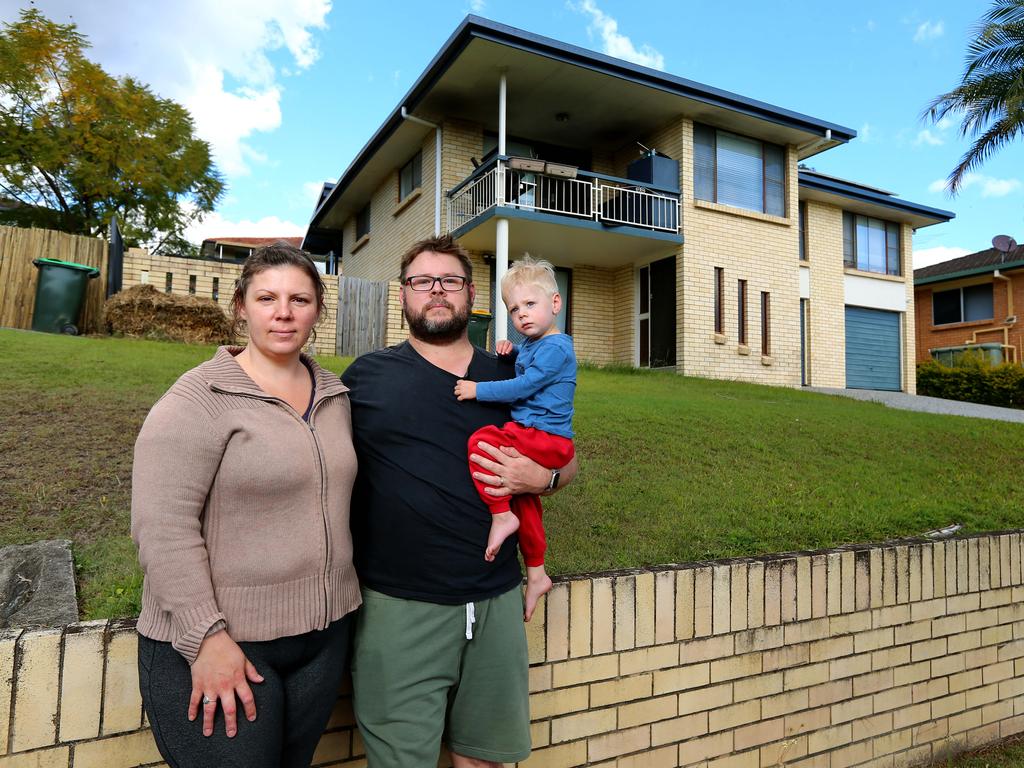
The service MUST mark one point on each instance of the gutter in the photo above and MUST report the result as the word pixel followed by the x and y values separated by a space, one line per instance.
pixel 437 164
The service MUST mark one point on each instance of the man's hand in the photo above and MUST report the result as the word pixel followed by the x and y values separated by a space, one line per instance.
pixel 508 472
pixel 504 347
pixel 219 672
pixel 465 390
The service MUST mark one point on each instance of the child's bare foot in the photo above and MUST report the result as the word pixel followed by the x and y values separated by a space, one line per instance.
pixel 537 583
pixel 503 525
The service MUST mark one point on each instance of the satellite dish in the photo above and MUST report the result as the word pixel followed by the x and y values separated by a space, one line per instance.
pixel 1003 243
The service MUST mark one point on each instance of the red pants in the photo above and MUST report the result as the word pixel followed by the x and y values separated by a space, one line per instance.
pixel 548 450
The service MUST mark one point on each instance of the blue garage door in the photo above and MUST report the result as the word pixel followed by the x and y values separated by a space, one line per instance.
pixel 872 349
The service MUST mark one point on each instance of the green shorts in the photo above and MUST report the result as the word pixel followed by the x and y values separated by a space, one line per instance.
pixel 418 680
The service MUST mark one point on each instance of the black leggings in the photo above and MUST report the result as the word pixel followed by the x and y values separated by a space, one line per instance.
pixel 293 703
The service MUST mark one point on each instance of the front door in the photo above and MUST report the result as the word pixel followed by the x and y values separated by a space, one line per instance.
pixel 657 314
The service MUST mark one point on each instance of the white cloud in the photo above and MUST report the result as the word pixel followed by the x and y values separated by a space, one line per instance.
pixel 215 225
pixel 929 30
pixel 615 43
pixel 476 6
pixel 989 185
pixel 213 58
pixel 929 138
pixel 928 256
pixel 864 134
pixel 871 25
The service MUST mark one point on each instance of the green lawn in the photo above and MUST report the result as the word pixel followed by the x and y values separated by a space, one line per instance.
pixel 1006 754
pixel 673 469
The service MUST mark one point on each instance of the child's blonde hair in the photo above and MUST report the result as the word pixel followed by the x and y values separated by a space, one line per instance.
pixel 530 271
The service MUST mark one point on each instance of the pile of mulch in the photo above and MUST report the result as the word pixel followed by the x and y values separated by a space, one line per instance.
pixel 145 312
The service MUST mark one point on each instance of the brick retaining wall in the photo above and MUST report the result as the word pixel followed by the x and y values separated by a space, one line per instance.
pixel 887 655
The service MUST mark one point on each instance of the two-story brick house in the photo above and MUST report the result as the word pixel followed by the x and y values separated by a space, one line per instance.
pixel 972 303
pixel 686 233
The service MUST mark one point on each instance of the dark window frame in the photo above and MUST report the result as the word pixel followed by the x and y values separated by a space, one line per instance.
pixel 415 169
pixel 850 250
pixel 766 148
pixel 215 290
pixel 191 285
pixel 741 312
pixel 766 324
pixel 802 225
pixel 719 300
pixel 168 282
pixel 363 222
pixel 963 304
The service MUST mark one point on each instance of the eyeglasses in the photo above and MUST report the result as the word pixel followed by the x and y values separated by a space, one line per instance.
pixel 426 282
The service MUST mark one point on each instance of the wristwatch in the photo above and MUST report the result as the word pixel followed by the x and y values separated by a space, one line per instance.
pixel 555 474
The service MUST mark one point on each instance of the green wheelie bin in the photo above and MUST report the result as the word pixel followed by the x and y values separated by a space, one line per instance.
pixel 479 325
pixel 60 294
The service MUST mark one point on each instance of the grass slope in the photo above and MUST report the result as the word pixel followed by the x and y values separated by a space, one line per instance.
pixel 673 469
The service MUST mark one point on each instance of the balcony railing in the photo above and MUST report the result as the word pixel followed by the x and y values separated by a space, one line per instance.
pixel 533 185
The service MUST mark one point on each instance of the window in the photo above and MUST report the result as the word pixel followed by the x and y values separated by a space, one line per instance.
pixel 962 305
pixel 168 282
pixel 216 288
pixel 191 285
pixel 735 170
pixel 410 177
pixel 363 222
pixel 144 277
pixel 719 300
pixel 803 231
pixel 741 311
pixel 871 245
pixel 766 324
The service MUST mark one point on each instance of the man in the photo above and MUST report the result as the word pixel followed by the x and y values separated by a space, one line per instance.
pixel 440 650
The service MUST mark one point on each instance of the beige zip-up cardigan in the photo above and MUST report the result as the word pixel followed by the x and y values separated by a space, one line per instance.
pixel 240 509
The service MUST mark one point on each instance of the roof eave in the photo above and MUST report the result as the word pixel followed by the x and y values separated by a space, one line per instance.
pixel 475 26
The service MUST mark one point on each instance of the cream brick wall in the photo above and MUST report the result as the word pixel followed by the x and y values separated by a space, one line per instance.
pixel 891 654
pixel 826 337
pixel 394 225
pixel 761 249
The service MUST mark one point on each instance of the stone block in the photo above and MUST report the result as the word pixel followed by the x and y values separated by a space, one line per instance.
pixel 580 621
pixel 122 702
pixel 37 585
pixel 125 751
pixel 82 682
pixel 644 611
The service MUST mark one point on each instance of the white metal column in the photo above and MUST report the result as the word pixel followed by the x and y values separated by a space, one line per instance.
pixel 501 226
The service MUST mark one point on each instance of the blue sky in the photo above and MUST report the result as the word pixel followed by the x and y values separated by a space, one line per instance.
pixel 288 92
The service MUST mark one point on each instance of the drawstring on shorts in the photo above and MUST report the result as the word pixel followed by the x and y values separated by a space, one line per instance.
pixel 470 620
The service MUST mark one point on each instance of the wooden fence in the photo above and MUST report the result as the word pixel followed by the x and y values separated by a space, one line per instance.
pixel 362 316
pixel 18 276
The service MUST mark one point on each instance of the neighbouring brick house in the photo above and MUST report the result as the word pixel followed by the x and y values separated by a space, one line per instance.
pixel 239 248
pixel 714 252
pixel 970 303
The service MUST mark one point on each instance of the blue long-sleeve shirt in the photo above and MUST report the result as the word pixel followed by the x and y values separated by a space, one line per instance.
pixel 542 391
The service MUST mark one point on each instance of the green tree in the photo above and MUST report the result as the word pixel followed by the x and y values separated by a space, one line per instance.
pixel 990 96
pixel 78 146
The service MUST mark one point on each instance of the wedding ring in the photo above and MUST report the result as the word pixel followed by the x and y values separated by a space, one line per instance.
pixel 207 700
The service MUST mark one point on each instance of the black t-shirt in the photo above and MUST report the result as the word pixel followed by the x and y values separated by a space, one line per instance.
pixel 418 526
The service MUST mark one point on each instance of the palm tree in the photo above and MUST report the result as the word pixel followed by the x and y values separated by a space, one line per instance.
pixel 990 96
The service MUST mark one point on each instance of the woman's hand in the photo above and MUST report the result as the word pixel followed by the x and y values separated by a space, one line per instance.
pixel 221 671
pixel 510 473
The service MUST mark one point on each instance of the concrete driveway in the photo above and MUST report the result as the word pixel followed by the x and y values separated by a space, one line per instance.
pixel 905 402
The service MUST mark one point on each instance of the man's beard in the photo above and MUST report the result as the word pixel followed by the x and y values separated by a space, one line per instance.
pixel 444 331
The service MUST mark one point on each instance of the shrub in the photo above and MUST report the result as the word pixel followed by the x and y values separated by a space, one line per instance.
pixel 973 380
pixel 145 312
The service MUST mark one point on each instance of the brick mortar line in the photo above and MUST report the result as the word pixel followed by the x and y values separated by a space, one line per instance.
pixel 15 667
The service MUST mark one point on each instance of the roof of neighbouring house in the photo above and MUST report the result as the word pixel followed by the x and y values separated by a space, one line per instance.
pixel 978 263
pixel 253 242
pixel 869 200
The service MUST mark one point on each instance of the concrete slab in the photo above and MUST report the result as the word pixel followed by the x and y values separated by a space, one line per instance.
pixel 905 402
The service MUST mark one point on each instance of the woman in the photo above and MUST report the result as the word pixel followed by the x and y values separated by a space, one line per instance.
pixel 240 504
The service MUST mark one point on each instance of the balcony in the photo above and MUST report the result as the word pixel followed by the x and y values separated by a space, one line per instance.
pixel 564 214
